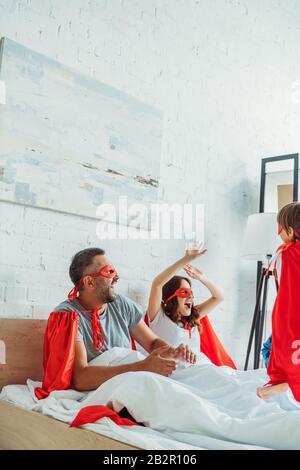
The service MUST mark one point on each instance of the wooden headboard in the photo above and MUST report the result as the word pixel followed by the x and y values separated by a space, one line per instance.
pixel 22 340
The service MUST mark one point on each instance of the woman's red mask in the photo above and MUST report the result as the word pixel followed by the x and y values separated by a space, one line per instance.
pixel 182 292
pixel 108 271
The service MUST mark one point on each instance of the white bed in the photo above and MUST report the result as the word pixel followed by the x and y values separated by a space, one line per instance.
pixel 199 407
pixel 136 436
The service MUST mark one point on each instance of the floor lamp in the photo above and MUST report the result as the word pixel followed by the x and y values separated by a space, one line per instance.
pixel 260 242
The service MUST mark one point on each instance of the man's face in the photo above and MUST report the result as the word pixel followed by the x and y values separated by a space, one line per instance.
pixel 102 287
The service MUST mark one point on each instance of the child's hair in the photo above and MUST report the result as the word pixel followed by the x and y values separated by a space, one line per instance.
pixel 289 216
pixel 170 309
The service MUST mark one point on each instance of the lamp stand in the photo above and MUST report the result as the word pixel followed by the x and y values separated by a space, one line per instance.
pixel 259 316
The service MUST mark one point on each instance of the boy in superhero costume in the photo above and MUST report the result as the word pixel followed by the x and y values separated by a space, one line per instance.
pixel 284 362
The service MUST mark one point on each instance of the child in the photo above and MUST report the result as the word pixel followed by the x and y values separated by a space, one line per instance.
pixel 173 316
pixel 283 369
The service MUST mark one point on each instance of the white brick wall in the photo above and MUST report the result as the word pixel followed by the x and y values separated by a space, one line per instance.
pixel 222 71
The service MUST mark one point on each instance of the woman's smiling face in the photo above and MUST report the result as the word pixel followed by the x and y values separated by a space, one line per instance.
pixel 185 305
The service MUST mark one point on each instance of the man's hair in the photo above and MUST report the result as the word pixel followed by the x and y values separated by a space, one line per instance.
pixel 81 261
pixel 289 216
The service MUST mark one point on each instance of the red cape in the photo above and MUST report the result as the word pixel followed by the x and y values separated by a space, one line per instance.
pixel 284 364
pixel 212 347
pixel 59 352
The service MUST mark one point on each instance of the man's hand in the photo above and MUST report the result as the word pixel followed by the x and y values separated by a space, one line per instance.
pixel 184 353
pixel 160 361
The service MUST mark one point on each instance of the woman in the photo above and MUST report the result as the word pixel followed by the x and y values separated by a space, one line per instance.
pixel 172 315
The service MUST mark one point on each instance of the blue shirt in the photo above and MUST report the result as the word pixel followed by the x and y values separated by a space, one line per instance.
pixel 266 350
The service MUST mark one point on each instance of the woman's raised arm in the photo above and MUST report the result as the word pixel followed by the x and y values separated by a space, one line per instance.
pixel 161 279
pixel 217 295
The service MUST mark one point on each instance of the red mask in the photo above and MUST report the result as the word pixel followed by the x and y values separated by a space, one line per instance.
pixel 182 292
pixel 108 271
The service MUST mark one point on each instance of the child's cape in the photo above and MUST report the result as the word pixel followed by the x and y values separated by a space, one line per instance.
pixel 59 351
pixel 284 364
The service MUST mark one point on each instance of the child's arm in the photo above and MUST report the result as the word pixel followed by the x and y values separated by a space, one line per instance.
pixel 217 295
pixel 155 297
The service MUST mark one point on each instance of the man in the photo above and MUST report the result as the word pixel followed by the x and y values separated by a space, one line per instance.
pixel 107 320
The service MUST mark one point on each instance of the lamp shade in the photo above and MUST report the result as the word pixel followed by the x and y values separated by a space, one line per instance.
pixel 261 238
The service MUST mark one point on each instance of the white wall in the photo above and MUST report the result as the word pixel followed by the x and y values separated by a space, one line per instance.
pixel 223 73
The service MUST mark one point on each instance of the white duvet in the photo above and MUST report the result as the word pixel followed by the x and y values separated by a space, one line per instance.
pixel 198 406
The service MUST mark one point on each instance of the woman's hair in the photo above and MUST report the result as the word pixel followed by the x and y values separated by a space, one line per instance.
pixel 171 307
pixel 289 216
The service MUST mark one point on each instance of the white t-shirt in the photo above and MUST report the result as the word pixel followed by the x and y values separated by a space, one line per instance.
pixel 173 334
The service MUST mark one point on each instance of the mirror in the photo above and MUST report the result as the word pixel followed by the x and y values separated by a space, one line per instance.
pixel 279 182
